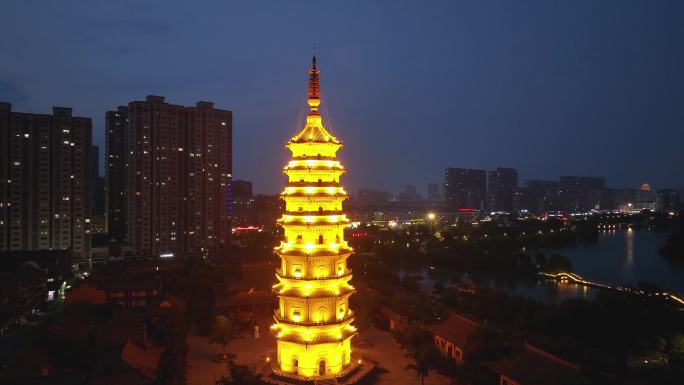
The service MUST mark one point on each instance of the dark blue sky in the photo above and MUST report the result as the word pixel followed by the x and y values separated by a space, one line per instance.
pixel 549 87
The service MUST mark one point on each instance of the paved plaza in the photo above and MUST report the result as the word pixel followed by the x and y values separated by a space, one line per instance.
pixel 393 358
pixel 250 351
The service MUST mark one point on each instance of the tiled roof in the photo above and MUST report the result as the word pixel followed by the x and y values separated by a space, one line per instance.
pixel 145 360
pixel 537 367
pixel 455 329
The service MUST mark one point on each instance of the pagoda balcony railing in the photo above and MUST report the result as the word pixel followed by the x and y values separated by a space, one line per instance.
pixel 348 317
pixel 316 212
pixel 314 157
pixel 314 184
pixel 280 274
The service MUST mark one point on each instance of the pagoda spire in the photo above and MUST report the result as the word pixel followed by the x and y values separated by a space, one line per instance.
pixel 314 86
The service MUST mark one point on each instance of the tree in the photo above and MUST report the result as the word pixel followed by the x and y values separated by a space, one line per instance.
pixel 223 332
pixel 239 374
pixel 172 363
pixel 413 336
pixel 366 305
pixel 558 264
pixel 423 360
pixel 678 344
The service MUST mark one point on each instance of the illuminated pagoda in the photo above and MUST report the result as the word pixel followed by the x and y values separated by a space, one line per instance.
pixel 313 323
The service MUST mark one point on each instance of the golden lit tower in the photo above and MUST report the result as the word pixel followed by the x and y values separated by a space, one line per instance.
pixel 313 323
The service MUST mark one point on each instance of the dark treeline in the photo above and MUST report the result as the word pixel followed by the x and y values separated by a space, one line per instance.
pixel 674 246
pixel 601 334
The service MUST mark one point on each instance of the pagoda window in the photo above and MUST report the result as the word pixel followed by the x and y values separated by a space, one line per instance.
pixel 340 268
pixel 296 314
pixel 320 239
pixel 320 209
pixel 301 208
pixel 297 270
pixel 340 312
pixel 320 271
pixel 299 238
pixel 322 314
pixel 337 238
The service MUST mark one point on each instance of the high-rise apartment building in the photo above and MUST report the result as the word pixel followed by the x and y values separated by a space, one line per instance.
pixel 97 183
pixel 44 181
pixel 433 192
pixel 501 186
pixel 581 193
pixel 116 172
pixel 179 171
pixel 465 188
pixel 370 195
pixel 410 194
pixel 667 200
pixel 541 195
pixel 242 203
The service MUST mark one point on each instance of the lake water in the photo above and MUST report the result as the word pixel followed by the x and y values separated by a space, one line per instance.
pixel 619 257
pixel 626 257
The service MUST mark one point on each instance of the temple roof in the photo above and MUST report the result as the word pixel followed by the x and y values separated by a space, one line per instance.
pixel 535 366
pixel 456 329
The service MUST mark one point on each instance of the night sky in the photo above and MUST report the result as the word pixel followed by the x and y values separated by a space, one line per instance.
pixel 548 87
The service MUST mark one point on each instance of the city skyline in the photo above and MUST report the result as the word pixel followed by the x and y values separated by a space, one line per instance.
pixel 584 102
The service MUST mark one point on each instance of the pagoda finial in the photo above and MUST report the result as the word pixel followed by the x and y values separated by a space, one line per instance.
pixel 314 86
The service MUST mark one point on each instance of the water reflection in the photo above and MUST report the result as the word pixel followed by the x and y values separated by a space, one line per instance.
pixel 629 263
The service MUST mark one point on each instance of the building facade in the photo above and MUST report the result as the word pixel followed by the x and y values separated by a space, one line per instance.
pixel 465 188
pixel 242 198
pixel 313 322
pixel 433 192
pixel 667 200
pixel 116 172
pixel 581 193
pixel 542 196
pixel 178 176
pixel 44 181
pixel 502 183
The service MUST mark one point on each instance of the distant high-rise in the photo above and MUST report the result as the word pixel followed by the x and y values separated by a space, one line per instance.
pixel 44 181
pixel 581 193
pixel 370 195
pixel 242 202
pixel 465 188
pixel 542 195
pixel 667 200
pixel 501 185
pixel 116 168
pixel 97 184
pixel 410 194
pixel 179 171
pixel 433 192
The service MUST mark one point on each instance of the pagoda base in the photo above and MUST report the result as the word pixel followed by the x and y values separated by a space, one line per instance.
pixel 360 371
